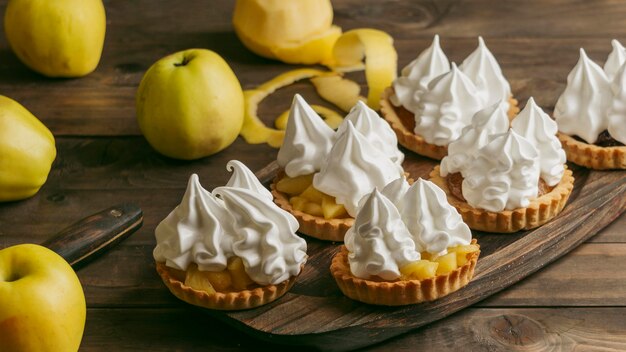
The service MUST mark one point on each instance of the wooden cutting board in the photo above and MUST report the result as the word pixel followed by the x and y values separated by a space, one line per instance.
pixel 315 313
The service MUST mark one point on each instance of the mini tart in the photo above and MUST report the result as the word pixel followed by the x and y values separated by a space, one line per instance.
pixel 401 292
pixel 593 156
pixel 238 300
pixel 540 210
pixel 407 138
pixel 311 225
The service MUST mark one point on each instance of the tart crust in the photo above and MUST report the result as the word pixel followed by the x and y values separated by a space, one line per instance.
pixel 310 225
pixel 414 142
pixel 592 156
pixel 239 300
pixel 540 210
pixel 402 292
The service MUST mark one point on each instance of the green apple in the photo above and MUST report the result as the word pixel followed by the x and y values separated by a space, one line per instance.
pixel 42 305
pixel 190 104
pixel 57 38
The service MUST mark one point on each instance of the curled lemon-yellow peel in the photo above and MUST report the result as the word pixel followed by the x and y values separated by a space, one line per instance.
pixel 330 116
pixel 341 92
pixel 381 59
pixel 254 131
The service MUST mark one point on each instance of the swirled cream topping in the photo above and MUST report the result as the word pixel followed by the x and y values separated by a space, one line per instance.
pixel 490 120
pixel 194 232
pixel 242 177
pixel 504 175
pixel 538 128
pixel 265 236
pixel 354 167
pixel 415 77
pixel 447 107
pixel 395 191
pixel 379 243
pixel 307 140
pixel 376 130
pixel 616 59
pixel 483 69
pixel 582 108
pixel 617 111
pixel 434 224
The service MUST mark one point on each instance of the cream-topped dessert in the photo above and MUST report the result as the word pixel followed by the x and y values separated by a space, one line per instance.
pixel 446 107
pixel 218 249
pixel 414 78
pixel 395 191
pixel 483 69
pixel 590 114
pixel 396 257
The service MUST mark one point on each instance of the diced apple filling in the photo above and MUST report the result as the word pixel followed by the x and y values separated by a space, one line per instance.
pixel 430 265
pixel 305 198
pixel 233 278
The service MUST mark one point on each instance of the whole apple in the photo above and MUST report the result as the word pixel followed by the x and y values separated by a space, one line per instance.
pixel 190 104
pixel 60 38
pixel 42 305
pixel 27 151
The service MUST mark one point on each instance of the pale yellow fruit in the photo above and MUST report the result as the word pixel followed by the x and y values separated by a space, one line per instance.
pixel 59 38
pixel 312 195
pixel 462 252
pixel 342 92
pixel 42 305
pixel 294 185
pixel 331 209
pixel 298 203
pixel 292 31
pixel 190 105
pixel 447 263
pixel 314 209
pixel 240 279
pixel 198 280
pixel 419 270
pixel 26 151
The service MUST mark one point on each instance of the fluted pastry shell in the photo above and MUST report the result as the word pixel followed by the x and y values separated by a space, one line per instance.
pixel 238 300
pixel 414 142
pixel 540 210
pixel 401 292
pixel 593 156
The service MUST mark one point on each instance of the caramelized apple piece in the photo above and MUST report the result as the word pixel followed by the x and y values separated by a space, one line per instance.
pixel 447 263
pixel 419 270
pixel 198 280
pixel 313 209
pixel 462 252
pixel 294 185
pixel 331 209
pixel 240 278
pixel 298 203
pixel 313 195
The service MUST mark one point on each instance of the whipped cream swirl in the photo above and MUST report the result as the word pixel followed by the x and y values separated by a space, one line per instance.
pixel 415 77
pixel 490 120
pixel 504 175
pixel 375 129
pixel 265 236
pixel 242 177
pixel 193 232
pixel 483 69
pixel 617 111
pixel 538 128
pixel 354 167
pixel 581 109
pixel 434 224
pixel 307 140
pixel 447 107
pixel 616 59
pixel 395 191
pixel 379 243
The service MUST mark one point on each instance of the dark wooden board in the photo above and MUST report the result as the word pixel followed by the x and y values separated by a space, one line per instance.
pixel 315 313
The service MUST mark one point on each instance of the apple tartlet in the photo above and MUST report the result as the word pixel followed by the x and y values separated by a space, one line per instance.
pixel 212 249
pixel 403 253
pixel 505 179
pixel 431 102
pixel 592 127
pixel 326 173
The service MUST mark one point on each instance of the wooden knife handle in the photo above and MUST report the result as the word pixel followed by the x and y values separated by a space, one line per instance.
pixel 93 235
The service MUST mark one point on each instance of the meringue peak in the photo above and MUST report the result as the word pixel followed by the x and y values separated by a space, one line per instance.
pixel 243 177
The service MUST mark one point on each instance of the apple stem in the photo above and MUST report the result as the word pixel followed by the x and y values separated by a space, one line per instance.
pixel 184 62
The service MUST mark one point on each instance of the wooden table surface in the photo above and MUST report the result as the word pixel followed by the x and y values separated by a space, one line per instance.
pixel 578 302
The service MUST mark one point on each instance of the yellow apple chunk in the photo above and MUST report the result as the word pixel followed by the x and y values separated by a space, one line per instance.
pixel 298 203
pixel 313 209
pixel 447 263
pixel 331 209
pixel 419 270
pixel 197 280
pixel 240 278
pixel 294 185
pixel 313 195
pixel 220 280
pixel 462 253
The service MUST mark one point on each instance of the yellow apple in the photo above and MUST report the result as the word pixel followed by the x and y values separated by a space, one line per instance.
pixel 190 104
pixel 26 151
pixel 42 305
pixel 60 38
